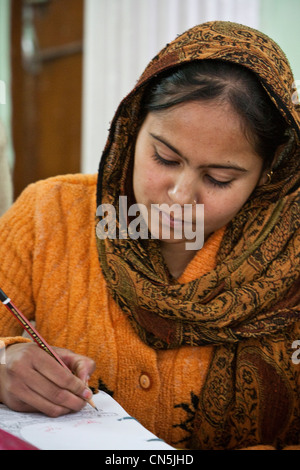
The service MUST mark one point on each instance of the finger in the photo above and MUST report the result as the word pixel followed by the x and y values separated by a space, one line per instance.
pixel 34 402
pixel 23 398
pixel 81 366
pixel 63 378
pixel 35 392
pixel 53 394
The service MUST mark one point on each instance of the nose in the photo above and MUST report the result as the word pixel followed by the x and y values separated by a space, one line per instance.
pixel 184 189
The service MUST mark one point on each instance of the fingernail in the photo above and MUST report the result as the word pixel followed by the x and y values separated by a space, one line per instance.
pixel 87 394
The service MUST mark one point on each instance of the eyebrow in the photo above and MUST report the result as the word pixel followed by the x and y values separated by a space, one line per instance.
pixel 230 166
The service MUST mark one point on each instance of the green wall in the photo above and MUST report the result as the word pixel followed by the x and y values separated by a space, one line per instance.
pixel 280 19
pixel 5 109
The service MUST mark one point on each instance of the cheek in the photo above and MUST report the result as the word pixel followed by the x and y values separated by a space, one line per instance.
pixel 223 207
pixel 146 183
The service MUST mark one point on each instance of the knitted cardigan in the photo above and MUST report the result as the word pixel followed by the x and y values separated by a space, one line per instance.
pixel 50 269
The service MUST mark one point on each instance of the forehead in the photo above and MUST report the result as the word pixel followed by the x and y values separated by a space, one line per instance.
pixel 200 130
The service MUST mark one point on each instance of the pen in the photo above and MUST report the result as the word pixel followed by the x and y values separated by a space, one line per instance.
pixel 33 332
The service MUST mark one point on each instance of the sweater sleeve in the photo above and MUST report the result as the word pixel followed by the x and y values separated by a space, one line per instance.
pixel 16 255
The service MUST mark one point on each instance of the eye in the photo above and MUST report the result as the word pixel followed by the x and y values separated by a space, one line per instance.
pixel 162 161
pixel 219 184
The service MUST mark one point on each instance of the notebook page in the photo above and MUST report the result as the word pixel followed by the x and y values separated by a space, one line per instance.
pixel 111 428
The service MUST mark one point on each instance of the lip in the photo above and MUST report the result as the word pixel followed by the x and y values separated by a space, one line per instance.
pixel 172 222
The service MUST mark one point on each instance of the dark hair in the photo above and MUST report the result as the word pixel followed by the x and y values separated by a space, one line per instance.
pixel 224 82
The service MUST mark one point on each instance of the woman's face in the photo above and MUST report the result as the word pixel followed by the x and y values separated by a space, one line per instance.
pixel 195 153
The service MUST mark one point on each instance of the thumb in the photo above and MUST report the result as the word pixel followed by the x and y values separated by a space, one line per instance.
pixel 81 366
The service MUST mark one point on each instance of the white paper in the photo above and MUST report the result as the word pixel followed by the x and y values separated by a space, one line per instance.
pixel 109 428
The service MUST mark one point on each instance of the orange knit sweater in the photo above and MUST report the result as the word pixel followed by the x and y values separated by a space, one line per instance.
pixel 50 269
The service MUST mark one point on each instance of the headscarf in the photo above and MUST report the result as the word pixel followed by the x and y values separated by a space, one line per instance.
pixel 248 305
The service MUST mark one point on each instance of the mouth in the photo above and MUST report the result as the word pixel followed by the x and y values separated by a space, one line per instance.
pixel 174 220
pixel 170 220
pixel 177 223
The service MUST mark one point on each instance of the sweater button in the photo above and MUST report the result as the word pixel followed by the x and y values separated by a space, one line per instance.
pixel 145 382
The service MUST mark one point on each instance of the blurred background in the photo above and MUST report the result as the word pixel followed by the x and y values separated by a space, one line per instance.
pixel 66 64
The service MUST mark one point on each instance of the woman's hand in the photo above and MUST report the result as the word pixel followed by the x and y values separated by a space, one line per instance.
pixel 31 380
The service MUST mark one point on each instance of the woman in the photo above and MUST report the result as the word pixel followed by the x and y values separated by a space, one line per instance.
pixel 197 344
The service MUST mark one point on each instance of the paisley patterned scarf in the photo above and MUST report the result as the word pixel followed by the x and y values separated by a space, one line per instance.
pixel 248 306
